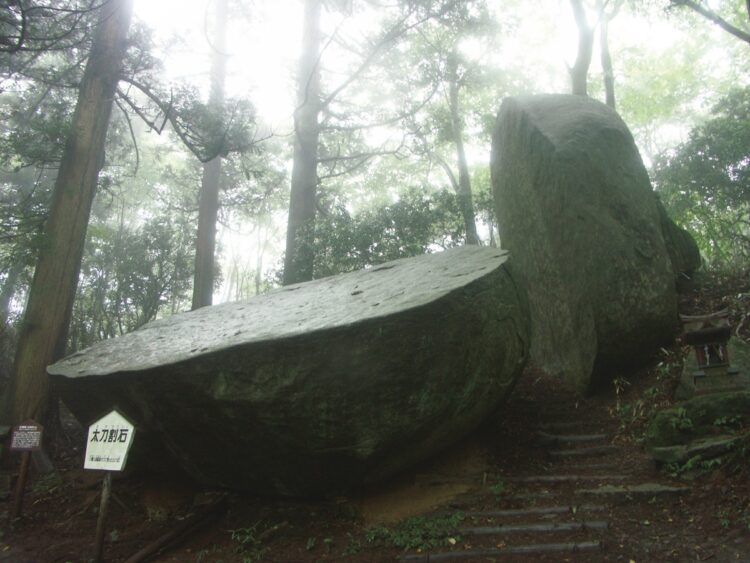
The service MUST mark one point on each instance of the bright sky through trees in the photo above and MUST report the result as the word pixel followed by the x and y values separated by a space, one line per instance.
pixel 263 45
pixel 264 42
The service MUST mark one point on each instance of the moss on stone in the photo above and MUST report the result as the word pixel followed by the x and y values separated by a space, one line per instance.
pixel 698 417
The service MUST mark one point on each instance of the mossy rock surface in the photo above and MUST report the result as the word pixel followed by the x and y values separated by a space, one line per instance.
pixel 739 355
pixel 698 417
pixel 576 210
pixel 681 246
pixel 317 388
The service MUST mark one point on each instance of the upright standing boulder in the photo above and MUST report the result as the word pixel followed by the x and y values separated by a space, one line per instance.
pixel 681 246
pixel 577 212
pixel 318 387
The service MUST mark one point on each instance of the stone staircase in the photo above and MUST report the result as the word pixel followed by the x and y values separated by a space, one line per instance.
pixel 562 508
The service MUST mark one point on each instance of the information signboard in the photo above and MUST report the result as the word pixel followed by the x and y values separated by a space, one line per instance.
pixel 109 440
pixel 27 436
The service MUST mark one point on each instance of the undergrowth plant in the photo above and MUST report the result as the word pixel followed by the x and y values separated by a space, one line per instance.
pixel 729 423
pixel 417 532
pixel 498 488
pixel 696 465
pixel 681 420
pixel 249 541
pixel 634 414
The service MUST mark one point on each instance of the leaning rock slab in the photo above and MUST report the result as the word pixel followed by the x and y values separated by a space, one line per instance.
pixel 319 387
pixel 577 212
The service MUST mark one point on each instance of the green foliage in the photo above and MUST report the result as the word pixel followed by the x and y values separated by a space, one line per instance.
pixel 415 224
pixel 24 199
pixel 680 420
pixel 738 516
pixel 248 542
pixel 354 546
pixel 620 384
pixel 731 423
pixel 498 488
pixel 209 131
pixel 34 26
pixel 631 413
pixel 36 126
pixel 705 182
pixel 696 418
pixel 130 275
pixel 634 414
pixel 417 532
pixel 49 485
pixel 696 465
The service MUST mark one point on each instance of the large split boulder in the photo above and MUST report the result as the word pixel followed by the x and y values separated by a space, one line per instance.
pixel 681 246
pixel 318 387
pixel 577 212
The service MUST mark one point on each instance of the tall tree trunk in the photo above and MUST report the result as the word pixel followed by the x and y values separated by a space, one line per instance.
pixel 580 69
pixel 300 234
pixel 463 188
pixel 609 75
pixel 47 319
pixel 8 291
pixel 606 56
pixel 262 242
pixel 208 206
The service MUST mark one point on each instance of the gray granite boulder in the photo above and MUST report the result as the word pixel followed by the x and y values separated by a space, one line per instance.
pixel 577 212
pixel 681 246
pixel 319 387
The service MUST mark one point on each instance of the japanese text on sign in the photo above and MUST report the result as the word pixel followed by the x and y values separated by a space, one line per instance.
pixel 108 442
pixel 26 436
pixel 110 435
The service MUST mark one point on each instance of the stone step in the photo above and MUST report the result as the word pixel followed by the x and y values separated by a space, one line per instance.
pixel 510 550
pixel 705 449
pixel 562 426
pixel 566 478
pixel 545 438
pixel 598 465
pixel 640 490
pixel 536 510
pixel 534 496
pixel 582 452
pixel 534 527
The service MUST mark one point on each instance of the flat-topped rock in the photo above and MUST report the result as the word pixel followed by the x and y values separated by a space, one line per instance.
pixel 318 387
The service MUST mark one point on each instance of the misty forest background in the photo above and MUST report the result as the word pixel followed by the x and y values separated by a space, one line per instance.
pixel 201 193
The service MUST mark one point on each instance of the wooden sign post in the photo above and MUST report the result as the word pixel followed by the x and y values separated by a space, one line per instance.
pixel 109 440
pixel 26 438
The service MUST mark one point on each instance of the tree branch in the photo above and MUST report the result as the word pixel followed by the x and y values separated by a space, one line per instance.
pixel 398 30
pixel 715 18
pixel 360 158
pixel 448 171
pixel 169 116
pixel 118 101
pixel 52 13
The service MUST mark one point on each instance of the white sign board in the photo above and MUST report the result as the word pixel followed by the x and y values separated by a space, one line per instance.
pixel 27 436
pixel 108 442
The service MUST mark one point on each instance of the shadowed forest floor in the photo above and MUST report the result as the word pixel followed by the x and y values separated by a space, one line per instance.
pixel 550 469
